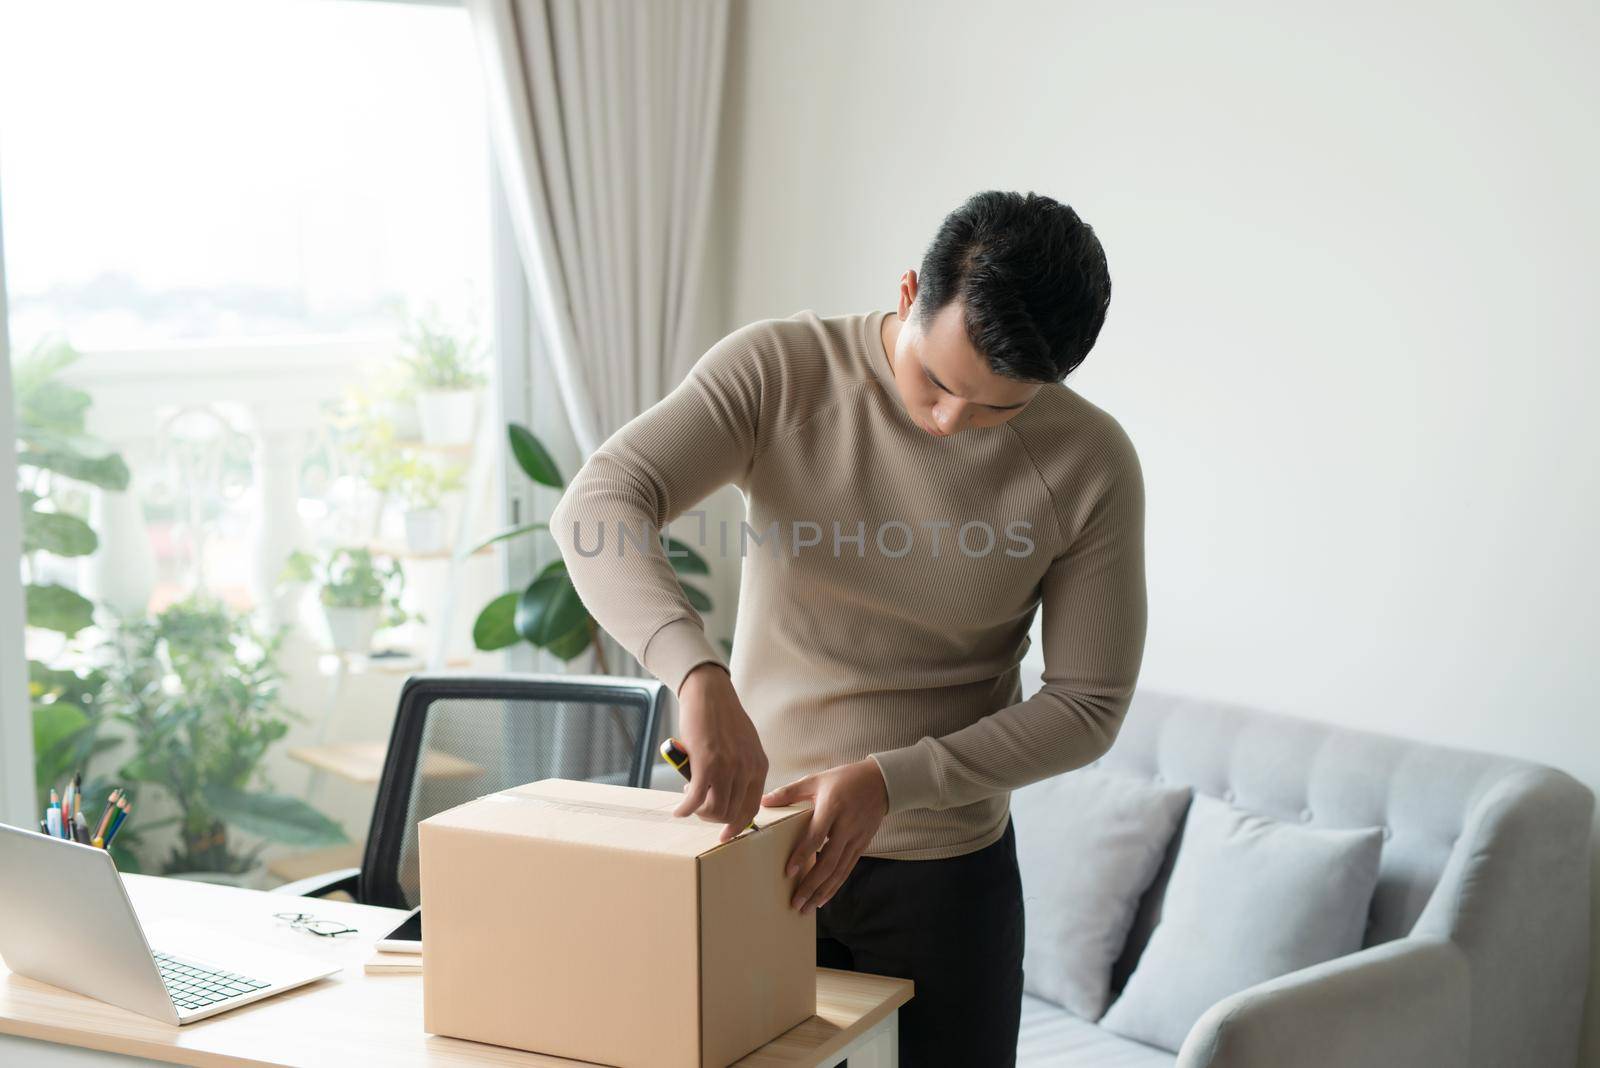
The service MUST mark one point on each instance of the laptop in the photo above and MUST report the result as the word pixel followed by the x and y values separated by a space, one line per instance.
pixel 65 919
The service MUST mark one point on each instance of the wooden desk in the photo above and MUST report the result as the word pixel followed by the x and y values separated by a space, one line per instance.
pixel 355 1018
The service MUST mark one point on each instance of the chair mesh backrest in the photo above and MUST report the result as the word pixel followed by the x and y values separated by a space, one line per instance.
pixel 457 738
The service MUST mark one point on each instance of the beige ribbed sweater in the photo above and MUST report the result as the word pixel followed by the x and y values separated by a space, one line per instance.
pixel 904 644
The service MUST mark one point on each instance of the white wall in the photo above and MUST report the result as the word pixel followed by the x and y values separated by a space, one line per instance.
pixel 1352 250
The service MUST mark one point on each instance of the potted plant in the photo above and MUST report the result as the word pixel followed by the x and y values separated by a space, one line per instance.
pixel 420 485
pixel 424 518
pixel 548 613
pixel 395 401
pixel 360 593
pixel 57 461
pixel 198 686
pixel 445 372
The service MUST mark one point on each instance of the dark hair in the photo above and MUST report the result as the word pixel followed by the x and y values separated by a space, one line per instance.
pixel 1031 276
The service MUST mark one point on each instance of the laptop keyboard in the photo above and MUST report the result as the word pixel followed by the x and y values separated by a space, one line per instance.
pixel 194 987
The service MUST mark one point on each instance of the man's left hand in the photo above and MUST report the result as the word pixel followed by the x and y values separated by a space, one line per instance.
pixel 851 802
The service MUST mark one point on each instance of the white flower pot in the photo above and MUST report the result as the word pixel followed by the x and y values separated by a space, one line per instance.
pixel 447 415
pixel 351 629
pixel 425 530
pixel 402 415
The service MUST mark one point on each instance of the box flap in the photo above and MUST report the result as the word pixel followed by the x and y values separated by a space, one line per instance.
pixel 598 814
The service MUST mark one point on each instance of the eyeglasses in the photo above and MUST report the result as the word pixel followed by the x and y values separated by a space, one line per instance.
pixel 302 921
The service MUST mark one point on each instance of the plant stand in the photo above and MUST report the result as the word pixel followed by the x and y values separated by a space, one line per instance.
pixel 361 762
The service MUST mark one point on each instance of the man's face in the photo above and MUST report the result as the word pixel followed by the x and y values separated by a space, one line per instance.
pixel 943 382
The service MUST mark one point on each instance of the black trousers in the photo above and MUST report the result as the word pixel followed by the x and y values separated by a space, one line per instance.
pixel 954 927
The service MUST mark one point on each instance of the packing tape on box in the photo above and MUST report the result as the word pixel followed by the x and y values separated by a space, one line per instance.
pixel 591 808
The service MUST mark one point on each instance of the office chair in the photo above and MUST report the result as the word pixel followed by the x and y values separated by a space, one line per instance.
pixel 459 737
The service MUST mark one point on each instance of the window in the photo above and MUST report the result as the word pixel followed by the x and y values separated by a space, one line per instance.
pixel 223 224
pixel 196 171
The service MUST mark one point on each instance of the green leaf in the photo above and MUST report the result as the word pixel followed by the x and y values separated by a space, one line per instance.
pixel 108 472
pixel 52 405
pixel 549 609
pixel 275 817
pixel 495 627
pixel 532 457
pixel 570 646
pixel 526 528
pixel 55 724
pixel 46 681
pixel 684 560
pixel 48 358
pixel 139 770
pixel 701 602
pixel 54 607
pixel 63 741
pixel 58 533
pixel 298 567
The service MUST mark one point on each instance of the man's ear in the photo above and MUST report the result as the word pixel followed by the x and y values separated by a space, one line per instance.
pixel 908 293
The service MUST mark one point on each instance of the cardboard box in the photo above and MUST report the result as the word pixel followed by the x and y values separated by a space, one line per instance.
pixel 585 920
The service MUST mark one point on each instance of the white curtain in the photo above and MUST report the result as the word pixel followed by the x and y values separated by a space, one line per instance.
pixel 604 119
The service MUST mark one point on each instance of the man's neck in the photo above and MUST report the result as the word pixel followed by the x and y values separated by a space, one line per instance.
pixel 889 332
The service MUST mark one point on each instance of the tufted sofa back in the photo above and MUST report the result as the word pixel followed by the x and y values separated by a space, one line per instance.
pixel 1322 776
pixel 1491 852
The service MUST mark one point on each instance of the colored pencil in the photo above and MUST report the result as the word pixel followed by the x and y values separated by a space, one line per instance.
pixel 116 821
pixel 122 817
pixel 99 839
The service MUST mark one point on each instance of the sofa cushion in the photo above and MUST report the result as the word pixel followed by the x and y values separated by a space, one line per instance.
pixel 1052 1037
pixel 1088 843
pixel 1250 898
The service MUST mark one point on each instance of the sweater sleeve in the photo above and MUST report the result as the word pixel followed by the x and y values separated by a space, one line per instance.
pixel 1093 604
pixel 701 436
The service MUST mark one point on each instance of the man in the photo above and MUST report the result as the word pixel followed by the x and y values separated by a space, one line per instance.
pixel 918 484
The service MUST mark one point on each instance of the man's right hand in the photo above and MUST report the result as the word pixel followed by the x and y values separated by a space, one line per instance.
pixel 728 767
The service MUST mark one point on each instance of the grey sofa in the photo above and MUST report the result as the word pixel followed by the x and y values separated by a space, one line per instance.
pixel 1476 948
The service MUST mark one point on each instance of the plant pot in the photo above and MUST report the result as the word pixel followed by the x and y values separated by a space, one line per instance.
pixel 351 629
pixel 402 415
pixel 447 415
pixel 425 530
